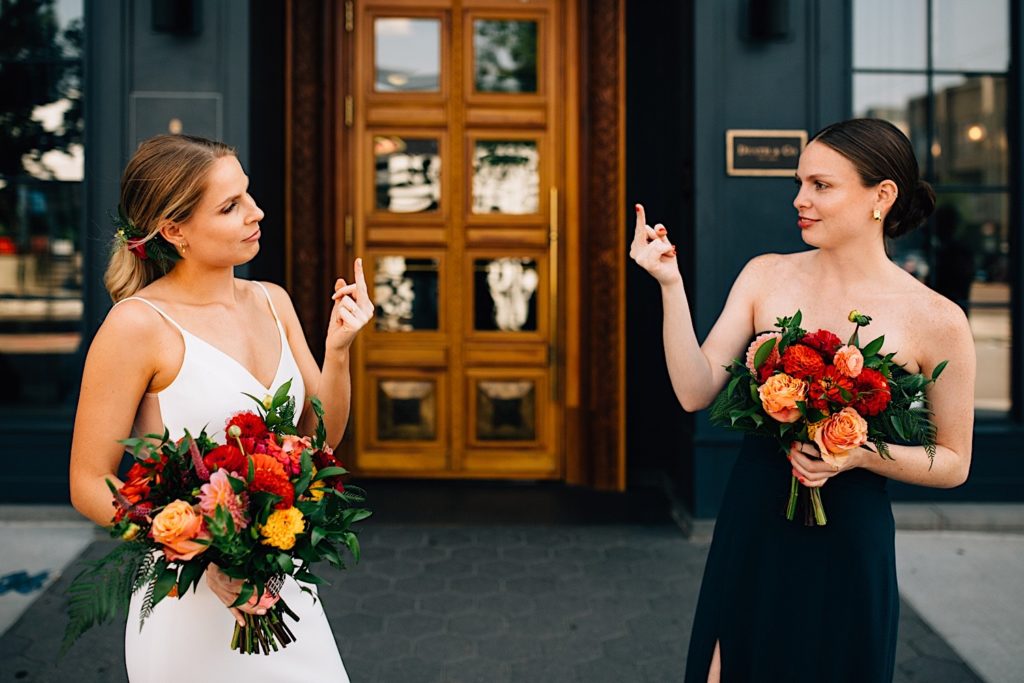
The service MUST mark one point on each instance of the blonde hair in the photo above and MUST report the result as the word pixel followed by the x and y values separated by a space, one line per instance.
pixel 164 180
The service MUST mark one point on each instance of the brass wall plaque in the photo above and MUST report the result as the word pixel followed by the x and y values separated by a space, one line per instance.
pixel 763 152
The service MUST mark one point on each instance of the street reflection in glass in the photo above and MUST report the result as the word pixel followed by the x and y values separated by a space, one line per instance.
pixel 504 294
pixel 405 292
pixel 505 177
pixel 407 54
pixel 505 56
pixel 408 174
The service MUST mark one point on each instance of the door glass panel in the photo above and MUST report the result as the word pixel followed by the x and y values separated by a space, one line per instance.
pixel 900 99
pixel 406 410
pixel 890 35
pixel 970 127
pixel 505 410
pixel 407 54
pixel 505 56
pixel 971 36
pixel 408 174
pixel 406 294
pixel 504 294
pixel 506 178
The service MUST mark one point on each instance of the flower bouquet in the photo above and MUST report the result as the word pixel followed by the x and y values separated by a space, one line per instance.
pixel 266 504
pixel 795 386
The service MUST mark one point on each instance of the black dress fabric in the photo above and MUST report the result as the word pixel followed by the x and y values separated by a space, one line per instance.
pixel 792 603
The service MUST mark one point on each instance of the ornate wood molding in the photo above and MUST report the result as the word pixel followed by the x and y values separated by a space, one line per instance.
pixel 603 268
pixel 309 228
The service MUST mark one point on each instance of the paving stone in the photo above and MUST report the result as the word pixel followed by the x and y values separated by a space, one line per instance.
pixel 478 624
pixel 558 603
pixel 411 670
pixel 480 671
pixel 414 626
pixel 420 585
pixel 447 603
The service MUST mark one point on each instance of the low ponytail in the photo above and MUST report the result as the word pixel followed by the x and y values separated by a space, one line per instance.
pixel 163 181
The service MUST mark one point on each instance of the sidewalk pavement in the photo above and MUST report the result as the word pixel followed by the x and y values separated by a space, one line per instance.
pixel 562 602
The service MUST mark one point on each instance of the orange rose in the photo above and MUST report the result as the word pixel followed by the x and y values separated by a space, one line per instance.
pixel 839 433
pixel 779 396
pixel 849 361
pixel 175 528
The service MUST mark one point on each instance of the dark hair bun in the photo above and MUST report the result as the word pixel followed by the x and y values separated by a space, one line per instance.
pixel 908 213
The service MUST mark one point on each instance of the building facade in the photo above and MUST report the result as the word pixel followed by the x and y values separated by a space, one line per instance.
pixel 482 157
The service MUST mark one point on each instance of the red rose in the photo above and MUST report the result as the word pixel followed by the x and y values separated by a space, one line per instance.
pixel 873 393
pixel 830 387
pixel 228 457
pixel 802 362
pixel 271 478
pixel 823 341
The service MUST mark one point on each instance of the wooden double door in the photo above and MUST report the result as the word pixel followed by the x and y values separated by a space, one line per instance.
pixel 455 139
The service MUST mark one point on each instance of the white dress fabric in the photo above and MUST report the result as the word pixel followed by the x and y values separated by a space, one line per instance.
pixel 189 638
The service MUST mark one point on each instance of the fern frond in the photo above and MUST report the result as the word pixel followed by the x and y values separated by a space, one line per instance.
pixel 101 592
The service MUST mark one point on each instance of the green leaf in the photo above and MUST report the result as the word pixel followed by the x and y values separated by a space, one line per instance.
pixel 281 397
pixel 247 592
pixel 190 573
pixel 305 473
pixel 329 472
pixel 763 352
pixel 873 347
pixel 164 583
pixel 316 535
pixel 938 370
pixel 352 542
pixel 284 561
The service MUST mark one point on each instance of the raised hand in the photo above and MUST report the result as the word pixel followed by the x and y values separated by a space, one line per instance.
pixel 353 308
pixel 652 251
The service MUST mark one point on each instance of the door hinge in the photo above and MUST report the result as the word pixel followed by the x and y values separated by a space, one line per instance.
pixel 349 110
pixel 349 231
pixel 349 15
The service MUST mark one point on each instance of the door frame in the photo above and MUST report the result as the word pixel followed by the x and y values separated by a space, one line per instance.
pixel 591 366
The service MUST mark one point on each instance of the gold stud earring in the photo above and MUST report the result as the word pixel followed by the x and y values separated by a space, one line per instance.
pixel 877 214
pixel 183 248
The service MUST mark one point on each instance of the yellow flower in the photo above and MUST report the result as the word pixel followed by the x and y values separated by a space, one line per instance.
pixel 317 489
pixel 268 401
pixel 130 532
pixel 282 527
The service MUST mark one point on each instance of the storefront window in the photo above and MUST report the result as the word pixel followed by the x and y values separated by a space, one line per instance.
pixel 41 166
pixel 944 83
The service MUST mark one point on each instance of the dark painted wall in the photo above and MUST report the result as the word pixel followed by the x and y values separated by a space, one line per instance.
pixel 799 81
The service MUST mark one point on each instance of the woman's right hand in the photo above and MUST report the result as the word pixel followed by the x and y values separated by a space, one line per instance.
pixel 228 589
pixel 652 251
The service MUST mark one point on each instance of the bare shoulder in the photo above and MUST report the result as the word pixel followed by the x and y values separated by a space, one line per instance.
pixel 282 300
pixel 133 334
pixel 941 328
pixel 766 267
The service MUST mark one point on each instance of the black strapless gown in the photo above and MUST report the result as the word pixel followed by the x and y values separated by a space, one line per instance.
pixel 790 603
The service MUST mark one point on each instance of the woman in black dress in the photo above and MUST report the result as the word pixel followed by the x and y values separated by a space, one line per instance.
pixel 781 601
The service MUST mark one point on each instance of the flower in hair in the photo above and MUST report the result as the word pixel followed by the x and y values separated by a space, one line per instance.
pixel 144 247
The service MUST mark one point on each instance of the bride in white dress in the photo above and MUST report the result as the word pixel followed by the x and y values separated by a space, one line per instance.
pixel 183 342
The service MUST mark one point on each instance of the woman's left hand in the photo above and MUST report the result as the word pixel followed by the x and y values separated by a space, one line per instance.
pixel 352 310
pixel 810 469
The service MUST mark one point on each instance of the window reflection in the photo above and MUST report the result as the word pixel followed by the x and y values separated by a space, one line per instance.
pixel 41 169
pixel 505 56
pixel 504 294
pixel 897 99
pixel 506 177
pixel 407 54
pixel 408 174
pixel 970 146
pixel 405 292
